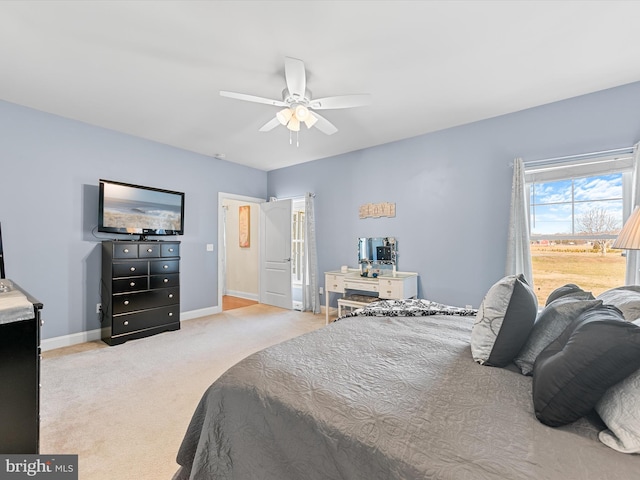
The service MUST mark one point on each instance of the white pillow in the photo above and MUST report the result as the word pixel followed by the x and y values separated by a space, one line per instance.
pixel 619 408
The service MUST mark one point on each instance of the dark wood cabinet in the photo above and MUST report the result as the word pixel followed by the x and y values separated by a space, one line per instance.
pixel 20 383
pixel 140 289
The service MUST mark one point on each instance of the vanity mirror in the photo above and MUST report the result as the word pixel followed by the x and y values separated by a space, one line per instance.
pixel 377 250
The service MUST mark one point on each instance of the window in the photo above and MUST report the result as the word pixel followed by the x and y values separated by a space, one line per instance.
pixel 576 210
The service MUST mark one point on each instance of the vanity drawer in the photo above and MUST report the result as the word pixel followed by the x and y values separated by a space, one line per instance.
pixel 131 302
pixel 154 317
pixel 334 283
pixel 364 285
pixel 164 266
pixel 391 288
pixel 130 269
pixel 130 284
pixel 164 281
pixel 149 250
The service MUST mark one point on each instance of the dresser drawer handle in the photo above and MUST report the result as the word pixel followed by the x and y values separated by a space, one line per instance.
pixel 165 266
pixel 126 302
pixel 132 284
pixel 171 249
pixel 133 269
pixel 389 292
pixel 149 250
pixel 165 280
pixel 126 250
pixel 171 295
pixel 171 314
pixel 126 322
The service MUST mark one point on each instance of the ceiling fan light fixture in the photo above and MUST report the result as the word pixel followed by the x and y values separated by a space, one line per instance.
pixel 311 120
pixel 294 124
pixel 284 116
pixel 302 113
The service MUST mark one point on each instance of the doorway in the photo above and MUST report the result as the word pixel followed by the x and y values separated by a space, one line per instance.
pixel 239 267
pixel 238 259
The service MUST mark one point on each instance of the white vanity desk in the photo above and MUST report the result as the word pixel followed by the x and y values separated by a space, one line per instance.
pixel 386 286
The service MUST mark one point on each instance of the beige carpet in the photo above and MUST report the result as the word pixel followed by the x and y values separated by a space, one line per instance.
pixel 124 409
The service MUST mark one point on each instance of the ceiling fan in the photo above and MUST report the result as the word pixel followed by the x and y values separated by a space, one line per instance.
pixel 299 105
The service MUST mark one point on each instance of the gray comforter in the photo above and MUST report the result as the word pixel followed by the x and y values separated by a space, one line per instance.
pixel 384 398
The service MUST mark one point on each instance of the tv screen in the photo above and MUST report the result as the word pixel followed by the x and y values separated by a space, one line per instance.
pixel 137 210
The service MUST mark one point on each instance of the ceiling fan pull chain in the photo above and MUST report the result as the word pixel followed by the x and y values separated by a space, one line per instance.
pixel 297 137
pixel 290 140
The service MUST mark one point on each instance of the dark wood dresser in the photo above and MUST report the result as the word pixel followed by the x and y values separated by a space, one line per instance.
pixel 140 289
pixel 19 375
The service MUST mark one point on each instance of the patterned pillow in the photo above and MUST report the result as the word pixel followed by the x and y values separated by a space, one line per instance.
pixel 571 375
pixel 570 289
pixel 619 408
pixel 627 299
pixel 503 322
pixel 551 322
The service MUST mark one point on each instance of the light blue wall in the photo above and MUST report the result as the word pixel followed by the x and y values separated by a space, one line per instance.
pixel 451 189
pixel 49 171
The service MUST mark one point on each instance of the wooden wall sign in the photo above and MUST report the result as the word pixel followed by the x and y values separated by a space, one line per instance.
pixel 377 210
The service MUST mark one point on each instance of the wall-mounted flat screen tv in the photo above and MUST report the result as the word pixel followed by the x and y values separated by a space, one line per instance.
pixel 138 210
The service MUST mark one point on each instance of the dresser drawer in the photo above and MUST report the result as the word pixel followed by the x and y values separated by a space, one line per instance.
pixel 169 249
pixel 391 288
pixel 130 269
pixel 154 317
pixel 125 250
pixel 131 302
pixel 164 266
pixel 164 281
pixel 334 283
pixel 149 250
pixel 130 284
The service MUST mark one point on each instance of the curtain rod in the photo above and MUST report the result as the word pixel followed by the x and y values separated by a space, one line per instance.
pixel 580 155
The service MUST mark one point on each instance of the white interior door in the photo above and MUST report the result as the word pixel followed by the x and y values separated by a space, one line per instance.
pixel 275 266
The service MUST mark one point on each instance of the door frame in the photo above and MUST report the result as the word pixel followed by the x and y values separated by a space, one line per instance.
pixel 221 251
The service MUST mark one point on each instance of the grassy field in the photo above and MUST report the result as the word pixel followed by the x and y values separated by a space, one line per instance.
pixel 557 265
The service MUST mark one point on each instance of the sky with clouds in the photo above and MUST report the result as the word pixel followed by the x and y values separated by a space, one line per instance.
pixel 551 203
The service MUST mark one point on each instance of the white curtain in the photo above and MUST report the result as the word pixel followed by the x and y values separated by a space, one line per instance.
pixel 633 256
pixel 518 247
pixel 310 296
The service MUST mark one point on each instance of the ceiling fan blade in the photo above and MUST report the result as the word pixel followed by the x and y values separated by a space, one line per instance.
pixel 252 98
pixel 342 101
pixel 295 77
pixel 270 125
pixel 324 125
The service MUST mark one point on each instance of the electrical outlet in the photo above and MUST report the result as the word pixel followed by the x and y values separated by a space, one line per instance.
pixel 321 290
pixel 98 307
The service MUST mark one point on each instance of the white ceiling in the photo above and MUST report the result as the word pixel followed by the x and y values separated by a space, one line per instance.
pixel 154 69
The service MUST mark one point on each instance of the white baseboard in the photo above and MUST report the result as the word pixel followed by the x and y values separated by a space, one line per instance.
pixel 93 335
pixel 202 312
pixel 68 340
pixel 245 295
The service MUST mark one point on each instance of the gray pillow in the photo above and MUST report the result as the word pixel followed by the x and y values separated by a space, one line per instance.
pixel 549 324
pixel 570 289
pixel 626 299
pixel 619 408
pixel 503 322
pixel 571 375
